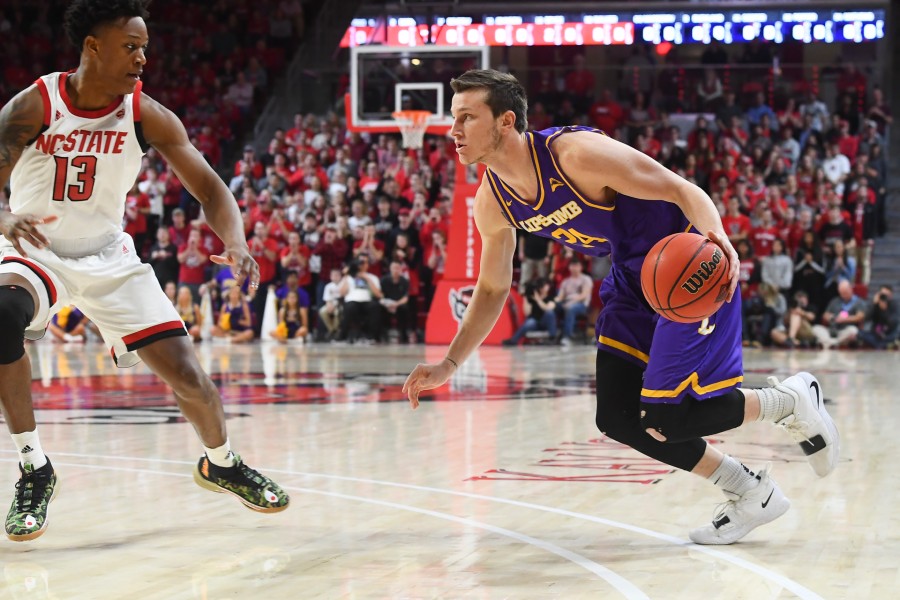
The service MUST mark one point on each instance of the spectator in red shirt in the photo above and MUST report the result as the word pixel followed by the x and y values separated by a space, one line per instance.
pixel 292 135
pixel 332 252
pixel 371 179
pixel 796 223
pixel 208 145
pixel 750 272
pixel 179 229
pixel 847 144
pixel 764 234
pixel 265 250
pixel 862 193
pixel 295 259
pixel 262 211
pixel 756 191
pixel 249 157
pixel 434 222
pixel 173 196
pixel 648 144
pixel 852 81
pixel 193 261
pixel 607 114
pixel 701 129
pixel 736 224
pixel 580 84
pixel 279 227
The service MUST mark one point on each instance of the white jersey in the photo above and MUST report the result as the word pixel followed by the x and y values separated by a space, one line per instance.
pixel 80 167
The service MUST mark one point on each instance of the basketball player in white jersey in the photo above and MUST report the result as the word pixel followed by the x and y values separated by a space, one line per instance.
pixel 71 147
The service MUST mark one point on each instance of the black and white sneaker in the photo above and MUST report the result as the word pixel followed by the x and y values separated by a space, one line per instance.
pixel 810 424
pixel 742 514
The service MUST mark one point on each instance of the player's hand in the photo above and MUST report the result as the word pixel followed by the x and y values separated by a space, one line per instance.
pixel 426 377
pixel 734 263
pixel 241 263
pixel 19 228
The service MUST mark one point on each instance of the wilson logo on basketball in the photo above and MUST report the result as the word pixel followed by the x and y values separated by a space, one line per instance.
pixel 695 282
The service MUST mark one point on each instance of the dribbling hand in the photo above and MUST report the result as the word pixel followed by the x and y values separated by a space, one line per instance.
pixel 241 263
pixel 19 228
pixel 734 263
pixel 426 377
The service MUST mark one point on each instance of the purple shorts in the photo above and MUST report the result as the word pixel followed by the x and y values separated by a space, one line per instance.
pixel 700 360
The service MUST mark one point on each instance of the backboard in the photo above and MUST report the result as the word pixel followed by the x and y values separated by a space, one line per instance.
pixel 385 79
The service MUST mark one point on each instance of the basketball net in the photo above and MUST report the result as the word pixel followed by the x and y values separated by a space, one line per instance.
pixel 412 125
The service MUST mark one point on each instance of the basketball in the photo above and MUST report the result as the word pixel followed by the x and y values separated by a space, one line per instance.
pixel 685 277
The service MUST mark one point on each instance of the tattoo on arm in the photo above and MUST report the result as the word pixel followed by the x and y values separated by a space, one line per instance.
pixel 17 128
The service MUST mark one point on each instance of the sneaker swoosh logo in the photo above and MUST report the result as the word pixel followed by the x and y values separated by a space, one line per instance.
pixel 815 384
pixel 813 445
pixel 766 503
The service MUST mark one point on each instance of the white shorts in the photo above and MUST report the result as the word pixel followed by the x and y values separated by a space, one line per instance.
pixel 112 287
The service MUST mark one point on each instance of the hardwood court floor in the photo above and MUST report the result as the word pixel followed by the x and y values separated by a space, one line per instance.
pixel 500 488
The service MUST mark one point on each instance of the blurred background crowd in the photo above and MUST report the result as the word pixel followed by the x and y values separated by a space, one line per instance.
pixel 350 229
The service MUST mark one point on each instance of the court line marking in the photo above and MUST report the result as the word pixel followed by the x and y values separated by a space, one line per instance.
pixel 794 587
pixel 622 585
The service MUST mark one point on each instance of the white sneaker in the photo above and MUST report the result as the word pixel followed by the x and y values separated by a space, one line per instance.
pixel 742 514
pixel 810 424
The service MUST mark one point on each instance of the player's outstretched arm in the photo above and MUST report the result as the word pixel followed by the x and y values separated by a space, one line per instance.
pixel 165 132
pixel 20 123
pixel 595 162
pixel 498 246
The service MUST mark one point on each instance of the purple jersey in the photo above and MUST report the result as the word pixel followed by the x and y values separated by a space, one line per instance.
pixel 703 359
pixel 564 214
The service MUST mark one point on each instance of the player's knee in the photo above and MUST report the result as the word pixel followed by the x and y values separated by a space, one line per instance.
pixel 16 312
pixel 192 383
pixel 663 422
pixel 616 427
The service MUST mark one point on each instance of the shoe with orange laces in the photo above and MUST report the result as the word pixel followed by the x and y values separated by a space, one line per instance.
pixel 255 490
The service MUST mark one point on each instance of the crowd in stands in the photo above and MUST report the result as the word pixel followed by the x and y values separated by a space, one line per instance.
pixel 800 184
pixel 350 231
pixel 210 61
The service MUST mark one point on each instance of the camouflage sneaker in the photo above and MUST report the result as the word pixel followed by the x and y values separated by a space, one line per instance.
pixel 255 490
pixel 27 518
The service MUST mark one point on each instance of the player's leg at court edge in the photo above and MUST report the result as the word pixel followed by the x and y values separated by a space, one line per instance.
pixel 219 469
pixel 27 517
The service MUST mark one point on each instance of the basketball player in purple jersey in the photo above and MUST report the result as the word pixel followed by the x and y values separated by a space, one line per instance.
pixel 71 146
pixel 661 385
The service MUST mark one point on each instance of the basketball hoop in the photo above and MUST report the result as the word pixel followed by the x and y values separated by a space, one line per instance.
pixel 412 125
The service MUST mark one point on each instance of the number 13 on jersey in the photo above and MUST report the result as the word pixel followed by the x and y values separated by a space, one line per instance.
pixel 85 167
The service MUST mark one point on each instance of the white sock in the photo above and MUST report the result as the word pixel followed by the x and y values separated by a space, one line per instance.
pixel 732 476
pixel 29 446
pixel 774 405
pixel 221 456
